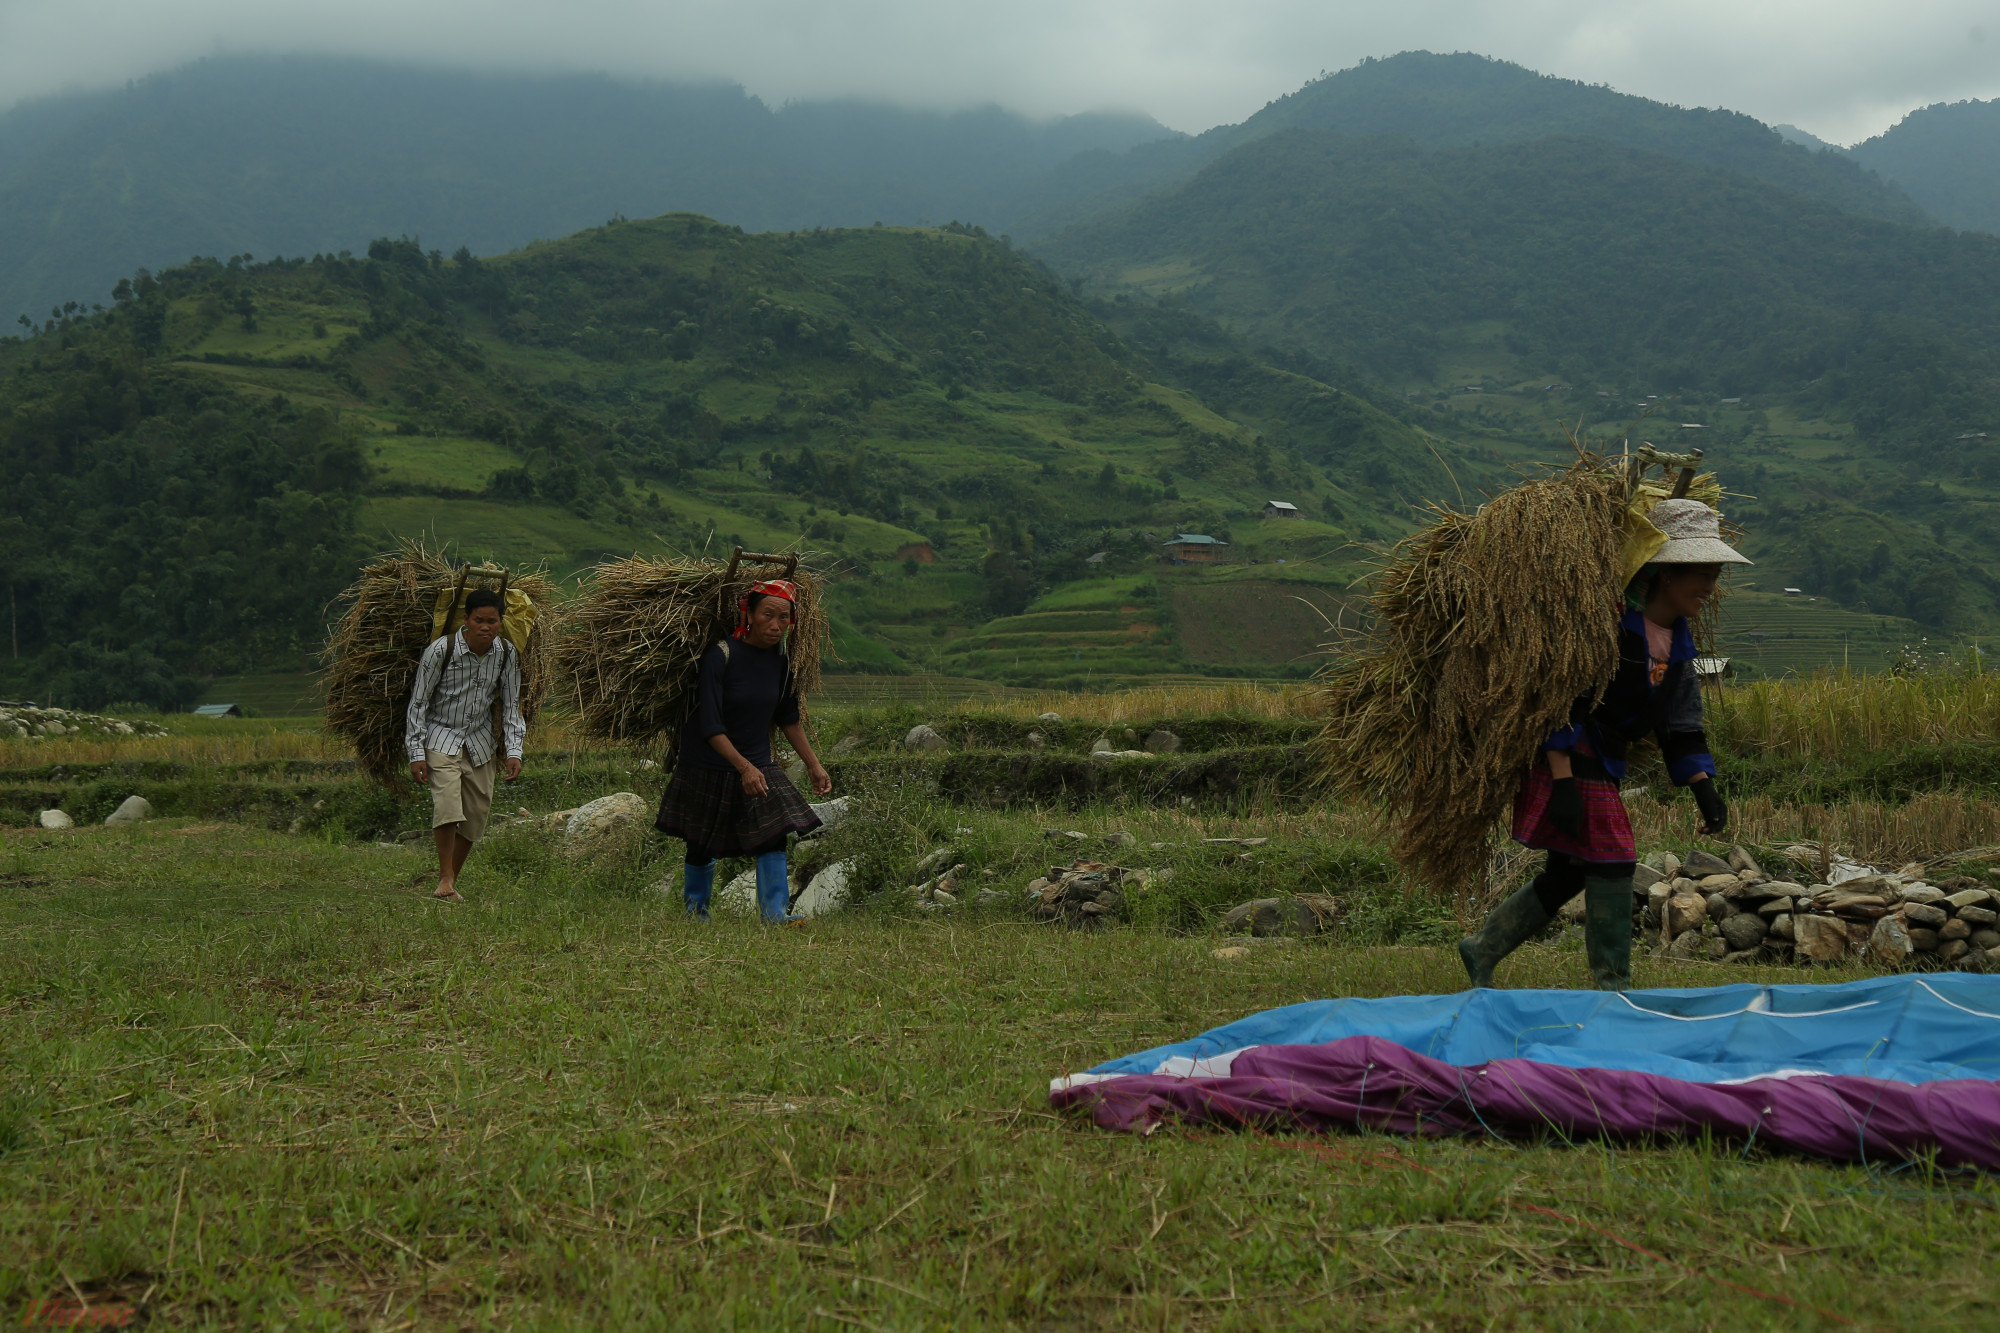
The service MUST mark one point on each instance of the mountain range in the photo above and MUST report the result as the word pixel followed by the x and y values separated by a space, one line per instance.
pixel 1403 283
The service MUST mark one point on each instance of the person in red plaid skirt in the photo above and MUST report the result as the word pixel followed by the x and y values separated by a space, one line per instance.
pixel 1569 805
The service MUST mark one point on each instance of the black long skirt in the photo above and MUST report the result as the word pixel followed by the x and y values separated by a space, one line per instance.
pixel 707 809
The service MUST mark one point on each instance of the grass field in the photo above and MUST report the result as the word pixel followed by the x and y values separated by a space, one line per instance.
pixel 257 1081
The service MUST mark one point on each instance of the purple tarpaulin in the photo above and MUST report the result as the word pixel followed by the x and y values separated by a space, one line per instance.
pixel 1886 1069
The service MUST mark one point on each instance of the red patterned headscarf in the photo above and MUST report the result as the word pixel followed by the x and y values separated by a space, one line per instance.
pixel 773 588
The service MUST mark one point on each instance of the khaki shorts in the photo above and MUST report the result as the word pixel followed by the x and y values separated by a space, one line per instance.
pixel 461 795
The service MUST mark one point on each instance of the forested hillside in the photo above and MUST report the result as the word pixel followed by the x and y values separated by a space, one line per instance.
pixel 297 155
pixel 1947 158
pixel 1460 100
pixel 194 472
pixel 1597 262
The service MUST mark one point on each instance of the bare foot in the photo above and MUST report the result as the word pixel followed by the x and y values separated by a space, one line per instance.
pixel 448 893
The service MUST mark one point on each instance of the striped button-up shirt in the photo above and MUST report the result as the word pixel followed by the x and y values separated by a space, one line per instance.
pixel 451 708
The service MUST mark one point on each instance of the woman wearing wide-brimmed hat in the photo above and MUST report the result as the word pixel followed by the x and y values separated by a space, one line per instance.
pixel 1569 805
pixel 727 796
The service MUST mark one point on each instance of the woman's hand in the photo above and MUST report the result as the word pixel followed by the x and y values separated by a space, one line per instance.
pixel 822 782
pixel 1714 810
pixel 754 783
pixel 1566 807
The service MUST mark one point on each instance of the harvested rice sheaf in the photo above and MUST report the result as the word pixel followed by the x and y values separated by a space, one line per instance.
pixel 1487 627
pixel 369 664
pixel 630 644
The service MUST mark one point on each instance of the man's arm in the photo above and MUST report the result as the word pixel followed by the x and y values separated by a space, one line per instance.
pixel 513 727
pixel 416 721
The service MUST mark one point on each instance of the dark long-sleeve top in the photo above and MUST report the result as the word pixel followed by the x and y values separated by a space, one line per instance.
pixel 1633 706
pixel 742 693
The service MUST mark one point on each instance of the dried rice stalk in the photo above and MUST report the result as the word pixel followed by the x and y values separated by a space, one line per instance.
pixel 630 645
pixel 1488 626
pixel 369 664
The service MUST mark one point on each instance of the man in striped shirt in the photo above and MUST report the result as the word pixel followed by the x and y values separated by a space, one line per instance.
pixel 449 730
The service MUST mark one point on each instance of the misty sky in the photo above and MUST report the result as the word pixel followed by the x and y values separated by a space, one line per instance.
pixel 1839 68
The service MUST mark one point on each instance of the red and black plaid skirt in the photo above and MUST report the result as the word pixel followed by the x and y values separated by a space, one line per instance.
pixel 707 808
pixel 1607 829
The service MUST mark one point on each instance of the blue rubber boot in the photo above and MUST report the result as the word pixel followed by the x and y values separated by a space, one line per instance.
pixel 697 886
pixel 774 890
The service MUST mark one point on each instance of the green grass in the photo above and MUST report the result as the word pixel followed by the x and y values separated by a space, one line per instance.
pixel 259 1081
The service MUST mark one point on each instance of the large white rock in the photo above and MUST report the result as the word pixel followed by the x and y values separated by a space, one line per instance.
pixel 739 895
pixel 825 892
pixel 834 812
pixel 592 824
pixel 56 819
pixel 923 738
pixel 135 809
pixel 604 812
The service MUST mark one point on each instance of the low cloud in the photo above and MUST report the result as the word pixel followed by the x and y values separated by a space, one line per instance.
pixel 1841 69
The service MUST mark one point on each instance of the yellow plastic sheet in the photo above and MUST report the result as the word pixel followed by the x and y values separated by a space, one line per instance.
pixel 516 621
pixel 1639 540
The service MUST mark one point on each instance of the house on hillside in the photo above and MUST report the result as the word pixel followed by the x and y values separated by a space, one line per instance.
pixel 219 710
pixel 1192 548
pixel 1711 670
pixel 1280 509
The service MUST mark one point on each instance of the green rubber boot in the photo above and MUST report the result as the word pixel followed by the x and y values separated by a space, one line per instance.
pixel 1607 930
pixel 1507 927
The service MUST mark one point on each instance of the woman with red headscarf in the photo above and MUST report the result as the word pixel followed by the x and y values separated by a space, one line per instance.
pixel 727 797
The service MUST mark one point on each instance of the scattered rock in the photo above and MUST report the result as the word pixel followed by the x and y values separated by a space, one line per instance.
pixel 1057 835
pixel 1922 893
pixel 1719 908
pixel 1573 911
pixel 594 824
pixel 1953 930
pixel 832 814
pixel 938 857
pixel 846 745
pixel 649 765
pixel 1684 913
pixel 1889 943
pixel 55 819
pixel 1970 898
pixel 1084 894
pixel 134 810
pixel 1306 914
pixel 1701 864
pixel 1953 950
pixel 989 898
pixel 1229 951
pixel 1743 956
pixel 1664 864
pixel 1162 741
pixel 1986 938
pixel 1119 754
pixel 1048 717
pixel 1716 949
pixel 1644 878
pixel 1745 930
pixel 1687 945
pixel 1037 741
pixel 1776 907
pixel 1234 842
pixel 1920 914
pixel 1781 927
pixel 921 737
pixel 1102 745
pixel 738 896
pixel 1978 916
pixel 1741 861
pixel 1823 939
pixel 825 892
pixel 1119 839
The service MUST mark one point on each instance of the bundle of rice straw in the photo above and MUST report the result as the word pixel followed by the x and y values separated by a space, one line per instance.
pixel 1487 627
pixel 401 601
pixel 630 644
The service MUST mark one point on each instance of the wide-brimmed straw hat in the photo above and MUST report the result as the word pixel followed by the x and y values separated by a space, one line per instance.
pixel 1694 535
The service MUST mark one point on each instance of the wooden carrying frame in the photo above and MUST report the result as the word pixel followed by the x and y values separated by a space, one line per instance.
pixel 454 613
pixel 724 612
